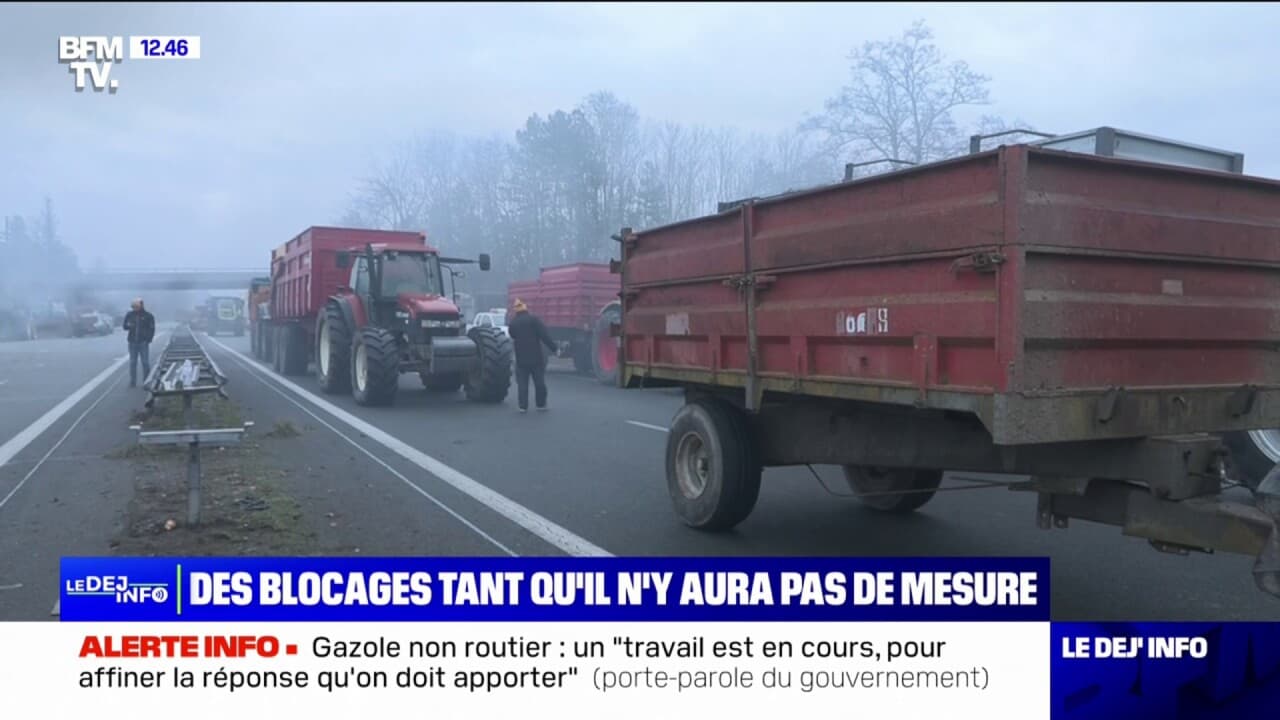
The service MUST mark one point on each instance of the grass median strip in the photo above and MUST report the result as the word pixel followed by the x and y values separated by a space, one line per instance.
pixel 245 510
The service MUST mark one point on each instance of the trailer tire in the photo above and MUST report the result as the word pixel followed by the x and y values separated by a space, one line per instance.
pixel 333 351
pixel 864 479
pixel 582 362
pixel 1253 454
pixel 375 367
pixel 276 336
pixel 490 379
pixel 291 352
pixel 266 344
pixel 254 348
pixel 713 472
pixel 441 383
pixel 604 347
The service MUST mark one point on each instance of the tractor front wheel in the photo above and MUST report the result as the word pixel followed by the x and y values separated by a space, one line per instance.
pixel 490 377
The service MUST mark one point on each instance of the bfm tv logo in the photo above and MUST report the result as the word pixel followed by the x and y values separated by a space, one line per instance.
pixel 106 51
pixel 119 587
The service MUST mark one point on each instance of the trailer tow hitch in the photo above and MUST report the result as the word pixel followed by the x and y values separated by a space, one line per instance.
pixel 1266 570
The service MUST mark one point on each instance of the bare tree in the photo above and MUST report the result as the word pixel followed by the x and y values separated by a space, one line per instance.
pixel 899 102
pixel 391 197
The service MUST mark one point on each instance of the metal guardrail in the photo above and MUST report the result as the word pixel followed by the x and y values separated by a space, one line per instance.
pixel 169 377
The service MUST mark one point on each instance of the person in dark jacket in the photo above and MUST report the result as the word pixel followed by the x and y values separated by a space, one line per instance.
pixel 141 328
pixel 528 335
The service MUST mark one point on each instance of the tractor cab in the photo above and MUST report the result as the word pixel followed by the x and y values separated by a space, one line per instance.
pixel 394 317
pixel 403 289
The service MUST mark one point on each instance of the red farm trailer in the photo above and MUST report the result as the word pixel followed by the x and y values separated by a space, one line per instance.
pixel 1094 323
pixel 368 305
pixel 578 303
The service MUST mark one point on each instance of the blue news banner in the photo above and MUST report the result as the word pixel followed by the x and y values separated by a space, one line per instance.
pixel 1187 671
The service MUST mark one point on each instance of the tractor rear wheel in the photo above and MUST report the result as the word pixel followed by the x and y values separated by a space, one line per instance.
pixel 604 347
pixel 490 377
pixel 333 352
pixel 375 367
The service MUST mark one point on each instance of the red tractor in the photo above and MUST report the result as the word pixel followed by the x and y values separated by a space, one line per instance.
pixel 369 305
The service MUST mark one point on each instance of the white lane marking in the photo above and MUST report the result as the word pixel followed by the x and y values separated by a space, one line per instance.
pixel 16 443
pixel 4 382
pixel 65 435
pixel 57 608
pixel 549 531
pixel 14 586
pixel 379 460
pixel 647 426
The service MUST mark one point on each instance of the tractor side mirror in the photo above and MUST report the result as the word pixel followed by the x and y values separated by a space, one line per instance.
pixel 344 259
pixel 484 262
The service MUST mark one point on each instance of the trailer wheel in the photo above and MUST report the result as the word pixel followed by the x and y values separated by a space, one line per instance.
pixel 254 350
pixel 375 367
pixel 582 362
pixel 291 352
pixel 713 473
pixel 266 344
pixel 604 347
pixel 863 479
pixel 1253 454
pixel 276 337
pixel 441 383
pixel 490 379
pixel 333 352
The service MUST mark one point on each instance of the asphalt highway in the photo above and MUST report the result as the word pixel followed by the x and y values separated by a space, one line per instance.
pixel 440 475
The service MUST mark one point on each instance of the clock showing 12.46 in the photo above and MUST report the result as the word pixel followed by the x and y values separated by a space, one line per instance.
pixel 142 47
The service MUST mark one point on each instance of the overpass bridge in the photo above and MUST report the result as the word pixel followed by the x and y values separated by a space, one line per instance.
pixel 170 279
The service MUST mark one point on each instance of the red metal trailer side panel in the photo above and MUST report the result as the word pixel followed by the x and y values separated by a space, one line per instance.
pixel 568 296
pixel 305 272
pixel 1058 296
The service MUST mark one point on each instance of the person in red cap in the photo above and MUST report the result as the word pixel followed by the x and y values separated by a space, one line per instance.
pixel 528 335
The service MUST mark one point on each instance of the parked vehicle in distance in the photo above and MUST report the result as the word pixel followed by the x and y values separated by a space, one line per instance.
pixel 492 318
pixel 578 303
pixel 369 305
pixel 259 308
pixel 1091 322
pixel 224 314
pixel 91 322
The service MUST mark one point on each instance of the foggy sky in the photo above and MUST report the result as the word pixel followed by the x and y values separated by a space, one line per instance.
pixel 211 163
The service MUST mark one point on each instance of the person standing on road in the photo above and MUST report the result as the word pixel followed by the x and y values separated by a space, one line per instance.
pixel 528 335
pixel 141 326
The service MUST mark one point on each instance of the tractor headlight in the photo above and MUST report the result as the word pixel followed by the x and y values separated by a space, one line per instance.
pixel 431 324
